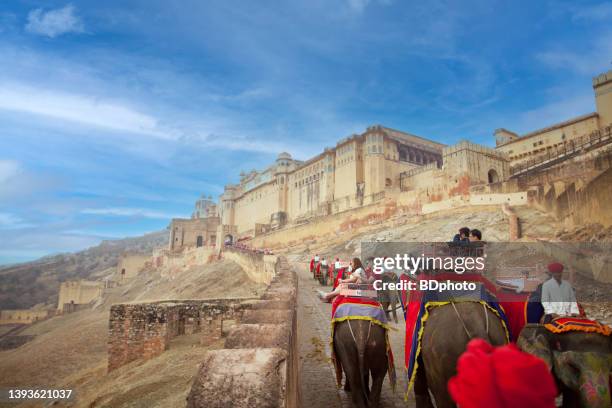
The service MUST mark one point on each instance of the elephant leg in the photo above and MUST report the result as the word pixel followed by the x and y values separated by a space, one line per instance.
pixel 421 390
pixel 378 377
pixel 366 382
pixel 347 385
pixel 347 353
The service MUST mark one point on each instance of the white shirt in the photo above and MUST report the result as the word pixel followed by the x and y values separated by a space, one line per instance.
pixel 360 275
pixel 558 298
pixel 316 259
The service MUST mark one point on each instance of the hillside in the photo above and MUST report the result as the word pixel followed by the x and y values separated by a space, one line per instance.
pixel 70 351
pixel 25 285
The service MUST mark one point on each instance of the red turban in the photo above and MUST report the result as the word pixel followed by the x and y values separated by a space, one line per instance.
pixel 555 267
pixel 502 377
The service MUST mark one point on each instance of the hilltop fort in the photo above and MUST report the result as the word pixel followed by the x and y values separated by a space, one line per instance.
pixel 383 166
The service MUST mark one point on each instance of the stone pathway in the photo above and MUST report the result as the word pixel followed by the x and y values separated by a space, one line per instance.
pixel 317 378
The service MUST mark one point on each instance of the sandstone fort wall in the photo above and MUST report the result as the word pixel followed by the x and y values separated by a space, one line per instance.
pixel 22 316
pixel 130 265
pixel 79 292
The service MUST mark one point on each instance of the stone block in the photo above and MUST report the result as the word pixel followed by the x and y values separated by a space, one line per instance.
pixel 241 378
pixel 270 316
pixel 259 336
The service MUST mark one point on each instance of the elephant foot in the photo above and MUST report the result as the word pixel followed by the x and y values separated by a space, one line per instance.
pixel 347 386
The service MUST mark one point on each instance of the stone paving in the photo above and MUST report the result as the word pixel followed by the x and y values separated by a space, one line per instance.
pixel 317 378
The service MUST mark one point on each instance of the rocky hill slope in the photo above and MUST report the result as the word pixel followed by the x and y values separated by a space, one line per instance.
pixel 28 284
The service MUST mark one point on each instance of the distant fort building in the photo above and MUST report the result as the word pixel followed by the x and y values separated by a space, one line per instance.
pixel 556 137
pixel 363 169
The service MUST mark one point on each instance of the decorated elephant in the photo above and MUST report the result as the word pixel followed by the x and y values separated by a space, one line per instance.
pixel 446 333
pixel 361 351
pixel 581 363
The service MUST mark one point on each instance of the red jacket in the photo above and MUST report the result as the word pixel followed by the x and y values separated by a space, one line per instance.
pixel 340 276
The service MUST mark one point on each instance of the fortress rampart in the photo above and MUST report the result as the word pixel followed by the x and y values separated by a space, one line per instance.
pixel 258 364
pixel 80 292
pixel 22 316
pixel 368 168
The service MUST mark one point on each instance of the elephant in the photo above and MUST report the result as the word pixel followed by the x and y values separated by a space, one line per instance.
pixel 446 333
pixel 581 363
pixel 361 348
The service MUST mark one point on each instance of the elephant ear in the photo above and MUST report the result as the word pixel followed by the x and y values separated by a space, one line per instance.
pixel 567 368
pixel 535 342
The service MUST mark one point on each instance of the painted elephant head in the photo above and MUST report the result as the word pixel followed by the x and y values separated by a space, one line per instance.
pixel 580 362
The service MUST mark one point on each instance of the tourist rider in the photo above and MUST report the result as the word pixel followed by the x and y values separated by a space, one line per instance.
pixel 462 236
pixel 475 235
pixel 558 296
pixel 357 276
pixel 323 268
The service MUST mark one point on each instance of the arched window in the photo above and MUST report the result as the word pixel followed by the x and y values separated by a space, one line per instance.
pixel 493 176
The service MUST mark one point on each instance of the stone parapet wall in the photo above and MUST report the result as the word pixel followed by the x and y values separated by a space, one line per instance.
pixel 144 330
pixel 258 366
pixel 466 145
pixel 260 268
pixel 172 263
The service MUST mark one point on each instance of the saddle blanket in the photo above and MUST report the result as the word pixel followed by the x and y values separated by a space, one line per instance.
pixel 352 308
pixel 520 309
pixel 418 304
pixel 567 324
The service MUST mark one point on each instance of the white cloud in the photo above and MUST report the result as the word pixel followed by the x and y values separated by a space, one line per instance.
pixel 54 22
pixel 85 109
pixel 129 212
pixel 8 170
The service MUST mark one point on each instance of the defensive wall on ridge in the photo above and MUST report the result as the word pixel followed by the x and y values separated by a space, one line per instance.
pixel 257 365
pixel 22 316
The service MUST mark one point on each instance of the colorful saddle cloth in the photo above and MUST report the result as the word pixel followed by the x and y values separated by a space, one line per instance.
pixel 353 308
pixel 419 303
pixel 568 324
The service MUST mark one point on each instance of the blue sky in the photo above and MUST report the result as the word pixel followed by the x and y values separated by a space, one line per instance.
pixel 116 115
